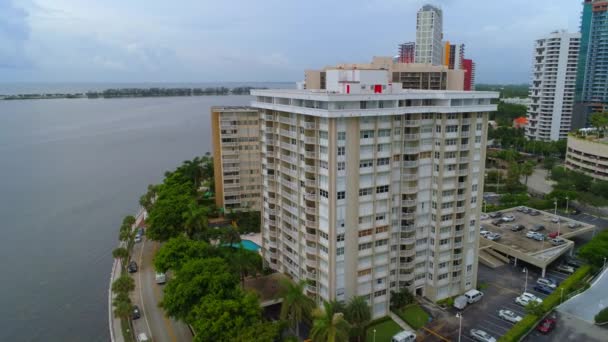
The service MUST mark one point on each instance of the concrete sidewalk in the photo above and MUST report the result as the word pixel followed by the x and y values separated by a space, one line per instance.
pixel 115 324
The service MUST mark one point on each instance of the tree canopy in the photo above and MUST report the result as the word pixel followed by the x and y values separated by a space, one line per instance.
pixel 596 250
pixel 179 250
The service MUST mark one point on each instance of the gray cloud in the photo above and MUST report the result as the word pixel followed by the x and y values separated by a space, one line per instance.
pixel 14 33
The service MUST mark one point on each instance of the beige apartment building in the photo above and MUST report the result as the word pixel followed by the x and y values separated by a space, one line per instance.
pixel 404 75
pixel 368 188
pixel 236 157
pixel 588 155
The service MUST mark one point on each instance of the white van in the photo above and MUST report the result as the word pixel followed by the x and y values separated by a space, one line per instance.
pixel 404 336
pixel 473 296
pixel 161 278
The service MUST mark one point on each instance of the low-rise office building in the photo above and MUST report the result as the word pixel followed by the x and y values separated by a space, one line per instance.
pixel 589 155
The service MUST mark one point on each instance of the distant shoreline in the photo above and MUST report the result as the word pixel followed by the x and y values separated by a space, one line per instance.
pixel 134 93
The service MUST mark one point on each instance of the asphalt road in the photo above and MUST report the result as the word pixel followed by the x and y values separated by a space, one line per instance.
pixel 147 296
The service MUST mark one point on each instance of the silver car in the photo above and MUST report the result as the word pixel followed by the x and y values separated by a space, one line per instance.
pixel 482 336
pixel 509 316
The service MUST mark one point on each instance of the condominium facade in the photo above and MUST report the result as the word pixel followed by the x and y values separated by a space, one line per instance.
pixel 588 155
pixel 369 188
pixel 429 33
pixel 453 54
pixel 407 52
pixel 404 75
pixel 553 86
pixel 592 73
pixel 235 133
pixel 469 74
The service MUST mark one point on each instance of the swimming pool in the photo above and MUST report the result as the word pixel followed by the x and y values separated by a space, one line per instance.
pixel 249 245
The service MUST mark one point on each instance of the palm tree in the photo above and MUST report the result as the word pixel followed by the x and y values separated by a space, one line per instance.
pixel 195 219
pixel 193 170
pixel 526 169
pixel 122 309
pixel 231 236
pixel 296 305
pixel 121 253
pixel 329 325
pixel 358 315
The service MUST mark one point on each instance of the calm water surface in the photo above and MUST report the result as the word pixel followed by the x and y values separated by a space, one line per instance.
pixel 70 170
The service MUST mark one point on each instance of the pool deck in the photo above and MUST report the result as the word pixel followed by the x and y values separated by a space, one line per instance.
pixel 257 238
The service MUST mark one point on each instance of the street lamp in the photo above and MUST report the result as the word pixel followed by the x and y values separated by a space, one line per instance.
pixel 459 315
pixel 525 270
pixel 567 199
pixel 374 335
pixel 561 300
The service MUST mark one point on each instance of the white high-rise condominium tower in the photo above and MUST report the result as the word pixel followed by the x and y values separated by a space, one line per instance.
pixel 429 33
pixel 369 188
pixel 553 86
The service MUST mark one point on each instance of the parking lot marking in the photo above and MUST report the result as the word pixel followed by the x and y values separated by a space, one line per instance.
pixel 436 334
pixel 496 325
pixel 486 329
pixel 467 337
pixel 517 309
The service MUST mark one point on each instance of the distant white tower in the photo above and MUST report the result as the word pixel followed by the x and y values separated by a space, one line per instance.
pixel 429 34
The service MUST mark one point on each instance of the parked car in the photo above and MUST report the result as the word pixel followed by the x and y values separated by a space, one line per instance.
pixel 508 218
pixel 546 325
pixel 573 225
pixel 404 336
pixel 137 238
pixel 493 236
pixel 543 289
pixel 160 278
pixel 140 231
pixel 555 219
pixel 142 337
pixel 521 209
pixel 553 235
pixel 495 214
pixel 547 282
pixel 497 222
pixel 482 336
pixel 538 227
pixel 538 237
pixel 132 268
pixel 484 216
pixel 473 296
pixel 530 234
pixel 135 314
pixel 517 227
pixel 565 269
pixel 460 302
pixel 534 213
pixel 526 297
pixel 484 232
pixel 574 262
pixel 575 211
pixel 557 241
pixel 509 316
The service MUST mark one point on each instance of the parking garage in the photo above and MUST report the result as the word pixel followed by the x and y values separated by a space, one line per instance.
pixel 513 246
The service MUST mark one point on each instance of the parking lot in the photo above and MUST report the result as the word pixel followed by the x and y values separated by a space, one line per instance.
pixel 500 287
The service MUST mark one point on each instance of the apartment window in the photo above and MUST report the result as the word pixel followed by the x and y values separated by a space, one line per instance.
pixel 323 248
pixel 451 116
pixel 364 246
pixel 397 131
pixel 473 199
pixel 442 276
pixel 323 193
pixel 323 149
pixel 365 192
pixel 340 237
pixel 341 150
pixel 474 187
pixel 451 128
pixel 366 232
pixel 384 133
pixel 341 135
pixel 444 241
pixel 341 195
pixel 323 164
pixel 340 251
pixel 430 276
pixel 469 268
pixel 450 141
pixel 323 135
pixel 443 265
pixel 447 205
pixel 379 293
pixel 478 127
pixel 380 217
pixel 364 272
pixel 437 155
pixel 323 235
pixel 383 242
pixel 438 128
pixel 383 161
pixel 366 163
pixel 381 189
pixel 478 139
pixel 381 229
pixel 341 166
pixel 446 218
pixel 367 134
pixel 384 147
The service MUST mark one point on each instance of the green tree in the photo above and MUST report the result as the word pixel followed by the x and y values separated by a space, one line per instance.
pixel 526 169
pixel 120 253
pixel 260 332
pixel 123 284
pixel 195 219
pixel 595 250
pixel 123 309
pixel 230 236
pixel 194 280
pixel 165 219
pixel 296 305
pixel 245 263
pixel 401 298
pixel 215 319
pixel 147 199
pixel 329 325
pixel 358 314
pixel 129 220
pixel 193 170
pixel 549 163
pixel 602 316
pixel 599 121
pixel 179 250
pixel 535 308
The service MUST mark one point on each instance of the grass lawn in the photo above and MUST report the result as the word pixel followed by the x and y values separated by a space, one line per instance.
pixel 414 316
pixel 385 330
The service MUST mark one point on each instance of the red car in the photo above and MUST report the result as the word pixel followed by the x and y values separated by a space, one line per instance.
pixel 554 235
pixel 546 325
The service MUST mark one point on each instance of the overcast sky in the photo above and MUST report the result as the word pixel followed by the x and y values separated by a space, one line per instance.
pixel 264 40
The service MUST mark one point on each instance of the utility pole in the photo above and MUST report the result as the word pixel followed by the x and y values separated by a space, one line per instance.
pixel 525 270
pixel 459 315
